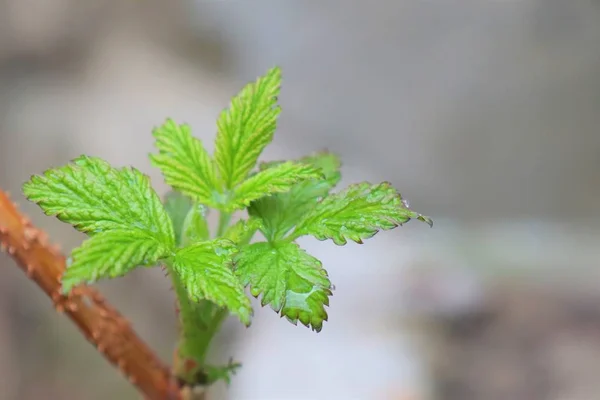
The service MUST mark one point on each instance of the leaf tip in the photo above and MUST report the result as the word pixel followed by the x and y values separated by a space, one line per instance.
pixel 245 313
pixel 426 219
pixel 275 71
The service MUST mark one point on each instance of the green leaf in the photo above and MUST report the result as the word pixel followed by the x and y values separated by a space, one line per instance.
pixel 242 231
pixel 278 179
pixel 290 280
pixel 177 207
pixel 246 128
pixel 195 227
pixel 111 254
pixel 214 373
pixel 95 197
pixel 205 270
pixel 189 219
pixel 118 208
pixel 185 164
pixel 280 212
pixel 356 213
pixel 328 163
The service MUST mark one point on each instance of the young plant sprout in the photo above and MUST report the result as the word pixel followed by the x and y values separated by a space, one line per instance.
pixel 128 225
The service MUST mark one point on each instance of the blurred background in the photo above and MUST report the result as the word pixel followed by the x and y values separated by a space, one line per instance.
pixel 484 113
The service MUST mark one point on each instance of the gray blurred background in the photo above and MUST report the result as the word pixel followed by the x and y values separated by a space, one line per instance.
pixel 484 113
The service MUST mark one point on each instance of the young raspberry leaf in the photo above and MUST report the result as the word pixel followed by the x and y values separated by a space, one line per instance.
pixel 242 231
pixel 356 213
pixel 280 178
pixel 280 212
pixel 185 164
pixel 246 128
pixel 290 280
pixel 225 372
pixel 118 208
pixel 189 219
pixel 95 197
pixel 177 207
pixel 195 227
pixel 111 254
pixel 328 164
pixel 204 269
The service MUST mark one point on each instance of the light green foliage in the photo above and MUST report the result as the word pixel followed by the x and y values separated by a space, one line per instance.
pixel 246 128
pixel 224 373
pixel 189 219
pixel 177 207
pixel 242 231
pixel 185 164
pixel 278 179
pixel 110 254
pixel 356 213
pixel 200 319
pixel 195 227
pixel 116 207
pixel 128 225
pixel 205 270
pixel 290 280
pixel 94 197
pixel 327 163
pixel 279 213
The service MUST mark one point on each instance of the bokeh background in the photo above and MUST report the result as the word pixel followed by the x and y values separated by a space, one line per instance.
pixel 485 113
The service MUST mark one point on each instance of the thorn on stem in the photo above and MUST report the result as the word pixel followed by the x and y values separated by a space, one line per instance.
pixel 41 237
pixel 55 249
pixel 30 234
pixel 56 297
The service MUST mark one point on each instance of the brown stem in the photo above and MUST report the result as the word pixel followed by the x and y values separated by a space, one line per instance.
pixel 101 324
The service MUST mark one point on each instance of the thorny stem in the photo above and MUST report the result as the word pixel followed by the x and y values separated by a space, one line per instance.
pixel 101 324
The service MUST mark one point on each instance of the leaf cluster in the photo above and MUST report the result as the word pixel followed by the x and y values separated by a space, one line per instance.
pixel 129 226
